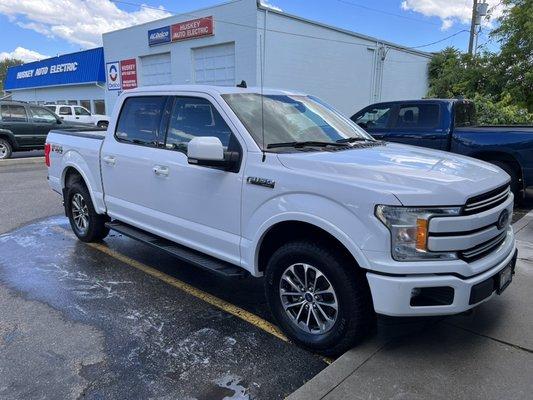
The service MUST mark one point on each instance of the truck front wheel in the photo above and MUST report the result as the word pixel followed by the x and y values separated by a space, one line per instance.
pixel 5 149
pixel 85 222
pixel 318 297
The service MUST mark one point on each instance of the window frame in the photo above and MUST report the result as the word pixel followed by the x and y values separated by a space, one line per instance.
pixel 160 129
pixel 10 120
pixel 46 110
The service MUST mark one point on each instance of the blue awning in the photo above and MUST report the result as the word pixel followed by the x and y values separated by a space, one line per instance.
pixel 68 69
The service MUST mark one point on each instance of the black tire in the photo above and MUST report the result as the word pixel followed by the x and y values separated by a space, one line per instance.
pixel 102 124
pixel 95 229
pixel 355 316
pixel 6 150
pixel 515 181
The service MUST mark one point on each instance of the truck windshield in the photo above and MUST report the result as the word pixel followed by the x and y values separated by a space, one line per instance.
pixel 465 114
pixel 291 120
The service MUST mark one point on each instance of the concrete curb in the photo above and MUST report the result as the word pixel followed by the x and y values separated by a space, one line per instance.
pixel 18 161
pixel 344 366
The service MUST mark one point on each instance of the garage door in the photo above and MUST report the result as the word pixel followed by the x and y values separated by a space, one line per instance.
pixel 155 70
pixel 215 65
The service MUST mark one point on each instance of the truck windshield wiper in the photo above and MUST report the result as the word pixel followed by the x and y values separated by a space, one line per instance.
pixel 354 139
pixel 308 143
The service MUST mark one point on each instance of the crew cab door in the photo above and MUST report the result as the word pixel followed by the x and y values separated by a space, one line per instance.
pixel 82 115
pixel 65 113
pixel 149 183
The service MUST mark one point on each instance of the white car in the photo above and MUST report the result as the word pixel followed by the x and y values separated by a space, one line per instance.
pixel 78 114
pixel 280 185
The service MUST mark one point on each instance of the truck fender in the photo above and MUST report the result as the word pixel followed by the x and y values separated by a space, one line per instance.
pixel 258 230
pixel 72 159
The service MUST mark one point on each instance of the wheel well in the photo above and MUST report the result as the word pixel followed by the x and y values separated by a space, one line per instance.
pixel 284 232
pixel 7 138
pixel 72 175
pixel 502 157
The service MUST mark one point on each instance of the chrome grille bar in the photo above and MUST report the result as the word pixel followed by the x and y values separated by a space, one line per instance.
pixel 488 202
pixel 484 247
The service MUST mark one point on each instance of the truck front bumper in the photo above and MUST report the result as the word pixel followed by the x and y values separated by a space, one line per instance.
pixel 425 295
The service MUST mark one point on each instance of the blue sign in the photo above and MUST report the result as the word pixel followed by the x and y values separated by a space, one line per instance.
pixel 69 69
pixel 159 36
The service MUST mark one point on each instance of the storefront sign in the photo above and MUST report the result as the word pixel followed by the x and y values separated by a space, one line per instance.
pixel 159 36
pixel 128 73
pixel 192 29
pixel 113 75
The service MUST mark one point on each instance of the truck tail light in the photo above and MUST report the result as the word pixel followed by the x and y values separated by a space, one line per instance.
pixel 47 149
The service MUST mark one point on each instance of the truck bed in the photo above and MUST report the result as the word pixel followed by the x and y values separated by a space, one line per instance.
pixel 79 149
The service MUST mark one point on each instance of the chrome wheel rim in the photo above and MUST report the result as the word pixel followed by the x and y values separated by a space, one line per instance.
pixel 3 150
pixel 80 213
pixel 308 298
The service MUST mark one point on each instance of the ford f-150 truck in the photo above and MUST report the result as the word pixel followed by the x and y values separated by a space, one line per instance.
pixel 278 184
pixel 450 125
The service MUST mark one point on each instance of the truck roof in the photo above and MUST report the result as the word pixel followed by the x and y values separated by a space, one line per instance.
pixel 210 89
pixel 423 101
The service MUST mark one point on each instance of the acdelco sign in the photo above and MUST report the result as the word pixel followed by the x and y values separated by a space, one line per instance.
pixel 159 36
pixel 182 31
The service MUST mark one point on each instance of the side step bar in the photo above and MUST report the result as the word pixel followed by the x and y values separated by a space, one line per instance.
pixel 181 252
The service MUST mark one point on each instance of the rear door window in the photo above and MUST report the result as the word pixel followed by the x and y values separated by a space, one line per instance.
pixel 417 116
pixel 140 120
pixel 193 117
pixel 374 118
pixel 65 111
pixel 14 113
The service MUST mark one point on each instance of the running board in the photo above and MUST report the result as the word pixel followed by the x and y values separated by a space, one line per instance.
pixel 181 252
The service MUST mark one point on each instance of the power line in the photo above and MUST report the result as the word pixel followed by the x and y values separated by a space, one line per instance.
pixel 280 31
pixel 387 12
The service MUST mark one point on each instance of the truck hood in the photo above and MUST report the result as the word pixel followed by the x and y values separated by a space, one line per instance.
pixel 416 176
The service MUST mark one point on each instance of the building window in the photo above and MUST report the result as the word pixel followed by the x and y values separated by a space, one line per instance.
pixel 99 107
pixel 72 102
pixel 61 102
pixel 86 104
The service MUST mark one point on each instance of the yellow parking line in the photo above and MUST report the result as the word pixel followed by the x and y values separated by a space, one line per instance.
pixel 200 294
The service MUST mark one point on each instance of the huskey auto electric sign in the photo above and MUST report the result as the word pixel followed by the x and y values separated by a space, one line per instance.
pixel 192 29
pixel 159 36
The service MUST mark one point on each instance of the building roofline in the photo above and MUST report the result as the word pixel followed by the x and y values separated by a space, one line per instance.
pixel 59 55
pixel 341 30
pixel 95 83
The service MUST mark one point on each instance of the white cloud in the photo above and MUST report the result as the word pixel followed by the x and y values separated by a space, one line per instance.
pixel 20 53
pixel 451 12
pixel 80 22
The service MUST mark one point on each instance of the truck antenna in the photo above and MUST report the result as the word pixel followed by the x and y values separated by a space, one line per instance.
pixel 262 66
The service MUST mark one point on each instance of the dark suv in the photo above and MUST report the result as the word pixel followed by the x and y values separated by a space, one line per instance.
pixel 24 126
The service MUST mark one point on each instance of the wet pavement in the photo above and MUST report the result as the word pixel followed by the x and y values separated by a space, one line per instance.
pixel 81 323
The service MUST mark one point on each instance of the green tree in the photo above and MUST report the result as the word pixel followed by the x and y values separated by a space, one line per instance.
pixel 4 64
pixel 515 35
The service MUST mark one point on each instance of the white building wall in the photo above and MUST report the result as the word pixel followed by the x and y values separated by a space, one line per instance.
pixel 61 93
pixel 133 43
pixel 405 76
pixel 342 69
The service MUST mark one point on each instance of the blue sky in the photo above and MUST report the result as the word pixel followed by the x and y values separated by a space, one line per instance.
pixel 30 28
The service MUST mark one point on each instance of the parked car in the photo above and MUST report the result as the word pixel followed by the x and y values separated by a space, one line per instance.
pixel 24 126
pixel 78 114
pixel 342 226
pixel 450 125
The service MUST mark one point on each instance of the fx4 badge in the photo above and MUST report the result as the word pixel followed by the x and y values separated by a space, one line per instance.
pixel 269 183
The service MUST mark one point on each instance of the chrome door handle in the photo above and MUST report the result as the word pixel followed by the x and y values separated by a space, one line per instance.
pixel 109 160
pixel 160 170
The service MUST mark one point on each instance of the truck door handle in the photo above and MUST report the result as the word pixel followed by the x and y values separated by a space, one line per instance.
pixel 109 160
pixel 160 170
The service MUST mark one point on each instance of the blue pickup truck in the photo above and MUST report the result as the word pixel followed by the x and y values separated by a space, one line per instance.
pixel 450 125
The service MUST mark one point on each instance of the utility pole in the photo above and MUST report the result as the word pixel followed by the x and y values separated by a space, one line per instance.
pixel 472 29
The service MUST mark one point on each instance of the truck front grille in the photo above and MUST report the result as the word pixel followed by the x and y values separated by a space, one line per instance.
pixel 483 249
pixel 487 200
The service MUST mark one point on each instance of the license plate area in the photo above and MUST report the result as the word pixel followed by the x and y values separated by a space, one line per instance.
pixel 496 283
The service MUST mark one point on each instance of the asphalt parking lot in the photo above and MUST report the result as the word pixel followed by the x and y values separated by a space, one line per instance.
pixel 121 320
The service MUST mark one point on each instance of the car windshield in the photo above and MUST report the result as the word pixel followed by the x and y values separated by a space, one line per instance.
pixel 289 120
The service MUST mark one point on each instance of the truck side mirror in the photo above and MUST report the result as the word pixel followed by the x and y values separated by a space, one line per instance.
pixel 209 152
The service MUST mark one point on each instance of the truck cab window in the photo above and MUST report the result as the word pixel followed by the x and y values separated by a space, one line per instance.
pixel 81 111
pixel 192 117
pixel 140 119
pixel 65 111
pixel 375 117
pixel 418 116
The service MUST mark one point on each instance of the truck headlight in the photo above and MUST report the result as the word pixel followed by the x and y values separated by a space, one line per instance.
pixel 409 231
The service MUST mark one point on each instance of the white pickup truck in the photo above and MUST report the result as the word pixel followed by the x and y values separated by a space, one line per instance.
pixel 279 184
